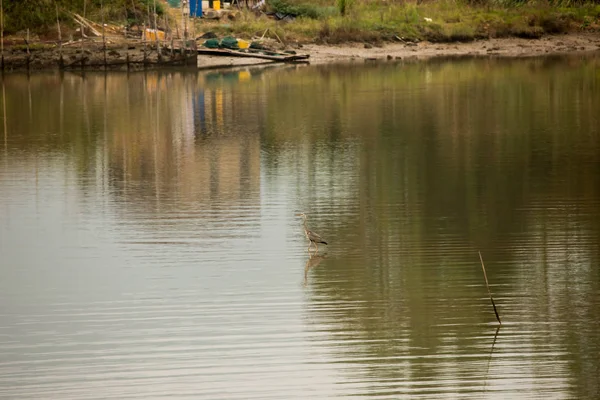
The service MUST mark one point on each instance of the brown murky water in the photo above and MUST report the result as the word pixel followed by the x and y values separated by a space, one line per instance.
pixel 149 246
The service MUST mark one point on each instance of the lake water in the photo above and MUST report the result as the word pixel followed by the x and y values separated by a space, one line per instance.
pixel 150 248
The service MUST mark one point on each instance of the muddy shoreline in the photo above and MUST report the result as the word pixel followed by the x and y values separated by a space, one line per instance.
pixel 135 56
pixel 505 47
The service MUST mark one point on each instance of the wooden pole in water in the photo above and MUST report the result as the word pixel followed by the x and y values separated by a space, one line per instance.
pixel 488 288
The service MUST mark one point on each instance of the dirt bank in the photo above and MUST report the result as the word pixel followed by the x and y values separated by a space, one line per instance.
pixel 133 54
pixel 508 47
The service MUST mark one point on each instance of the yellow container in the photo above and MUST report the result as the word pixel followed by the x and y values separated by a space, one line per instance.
pixel 242 44
pixel 153 35
pixel 216 5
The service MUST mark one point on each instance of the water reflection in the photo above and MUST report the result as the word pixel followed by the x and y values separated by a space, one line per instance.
pixel 313 261
pixel 147 234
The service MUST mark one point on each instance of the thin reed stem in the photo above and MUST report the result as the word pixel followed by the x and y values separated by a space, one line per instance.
pixel 488 289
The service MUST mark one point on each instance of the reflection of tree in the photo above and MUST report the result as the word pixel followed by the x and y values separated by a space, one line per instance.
pixel 444 169
pixel 138 133
pixel 411 167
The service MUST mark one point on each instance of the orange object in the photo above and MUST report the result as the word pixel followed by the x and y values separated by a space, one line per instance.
pixel 154 34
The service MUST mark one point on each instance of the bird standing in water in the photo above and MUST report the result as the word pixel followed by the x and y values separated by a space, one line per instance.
pixel 311 236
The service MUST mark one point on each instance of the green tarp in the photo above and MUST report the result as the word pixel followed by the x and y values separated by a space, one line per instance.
pixel 174 3
pixel 226 43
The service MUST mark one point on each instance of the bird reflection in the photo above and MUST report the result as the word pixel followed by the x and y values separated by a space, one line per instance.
pixel 313 260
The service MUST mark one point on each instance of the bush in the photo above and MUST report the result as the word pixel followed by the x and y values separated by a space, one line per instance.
pixel 298 10
pixel 39 15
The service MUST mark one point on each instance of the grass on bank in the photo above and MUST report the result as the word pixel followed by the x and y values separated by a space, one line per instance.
pixel 337 21
pixel 39 16
pixel 437 21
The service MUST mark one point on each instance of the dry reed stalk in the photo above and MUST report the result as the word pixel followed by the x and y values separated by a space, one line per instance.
pixel 488 288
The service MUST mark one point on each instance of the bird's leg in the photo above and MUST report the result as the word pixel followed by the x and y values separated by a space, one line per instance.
pixel 316 247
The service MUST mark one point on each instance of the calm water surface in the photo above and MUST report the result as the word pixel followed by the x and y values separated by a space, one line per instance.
pixel 149 246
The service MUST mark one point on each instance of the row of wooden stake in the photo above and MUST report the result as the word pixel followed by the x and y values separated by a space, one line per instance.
pixel 84 24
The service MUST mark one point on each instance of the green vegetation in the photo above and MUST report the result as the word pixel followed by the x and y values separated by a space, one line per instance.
pixel 337 21
pixel 40 15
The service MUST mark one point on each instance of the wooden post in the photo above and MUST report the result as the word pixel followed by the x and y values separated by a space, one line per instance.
pixel 144 42
pixel 170 32
pixel 84 9
pixel 185 18
pixel 28 52
pixel 60 59
pixel 194 24
pixel 2 34
pixel 125 38
pixel 82 27
pixel 156 34
pixel 81 49
pixel 103 32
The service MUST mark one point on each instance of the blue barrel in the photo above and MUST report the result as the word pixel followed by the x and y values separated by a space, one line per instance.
pixel 195 8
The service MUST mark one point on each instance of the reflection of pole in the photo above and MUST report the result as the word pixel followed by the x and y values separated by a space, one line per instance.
pixel 105 118
pixel 62 105
pixel 123 144
pixel 29 98
pixel 4 117
pixel 156 172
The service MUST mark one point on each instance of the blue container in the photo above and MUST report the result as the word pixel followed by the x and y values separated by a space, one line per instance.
pixel 195 8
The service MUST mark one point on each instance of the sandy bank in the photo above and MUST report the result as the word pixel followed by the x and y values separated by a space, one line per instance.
pixel 508 47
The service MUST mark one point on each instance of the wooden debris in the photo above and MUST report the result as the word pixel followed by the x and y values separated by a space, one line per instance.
pixel 87 23
pixel 280 58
